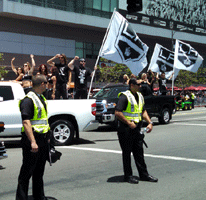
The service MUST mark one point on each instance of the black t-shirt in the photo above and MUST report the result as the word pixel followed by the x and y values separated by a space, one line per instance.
pixel 27 107
pixel 62 74
pixel 27 77
pixel 162 84
pixel 122 105
pixel 81 74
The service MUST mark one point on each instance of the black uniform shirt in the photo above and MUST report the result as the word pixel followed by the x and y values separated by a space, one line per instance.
pixel 122 105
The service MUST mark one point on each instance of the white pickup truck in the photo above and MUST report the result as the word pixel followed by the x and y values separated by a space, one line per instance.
pixel 66 117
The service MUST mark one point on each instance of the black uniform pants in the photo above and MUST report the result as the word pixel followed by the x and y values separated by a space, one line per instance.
pixel 33 166
pixel 131 141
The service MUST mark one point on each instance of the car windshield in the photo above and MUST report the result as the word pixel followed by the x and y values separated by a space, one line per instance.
pixel 109 92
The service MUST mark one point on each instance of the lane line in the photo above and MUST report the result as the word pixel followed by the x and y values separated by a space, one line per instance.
pixel 147 155
pixel 185 124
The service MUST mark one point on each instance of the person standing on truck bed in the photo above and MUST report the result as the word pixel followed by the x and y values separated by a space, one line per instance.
pixel 162 83
pixel 130 111
pixel 26 77
pixel 63 77
pixel 81 74
pixel 34 140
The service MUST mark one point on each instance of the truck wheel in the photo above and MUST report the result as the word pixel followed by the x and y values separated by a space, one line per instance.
pixel 62 132
pixel 165 116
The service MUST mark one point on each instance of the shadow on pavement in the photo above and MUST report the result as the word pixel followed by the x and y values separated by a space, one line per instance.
pixel 118 179
pixel 78 141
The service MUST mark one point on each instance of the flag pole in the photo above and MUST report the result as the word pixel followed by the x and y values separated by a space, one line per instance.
pixel 175 62
pixel 105 36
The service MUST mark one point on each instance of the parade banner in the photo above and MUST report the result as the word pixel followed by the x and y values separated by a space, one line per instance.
pixel 186 57
pixel 122 45
pixel 163 61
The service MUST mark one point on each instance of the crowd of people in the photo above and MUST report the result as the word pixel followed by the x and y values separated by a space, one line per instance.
pixel 148 80
pixel 59 76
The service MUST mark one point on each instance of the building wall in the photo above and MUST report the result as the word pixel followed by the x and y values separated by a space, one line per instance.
pixel 27 29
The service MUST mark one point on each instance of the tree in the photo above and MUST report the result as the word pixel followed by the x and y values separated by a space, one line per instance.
pixel 3 70
pixel 112 73
pixel 186 78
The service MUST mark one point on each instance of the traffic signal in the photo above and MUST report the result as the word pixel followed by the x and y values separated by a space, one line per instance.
pixel 134 6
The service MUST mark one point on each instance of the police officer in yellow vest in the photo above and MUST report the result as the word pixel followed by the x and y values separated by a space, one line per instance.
pixel 130 111
pixel 192 98
pixel 34 140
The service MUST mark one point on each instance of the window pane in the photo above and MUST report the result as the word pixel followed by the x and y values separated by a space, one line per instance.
pixel 114 4
pixel 79 52
pixel 79 45
pixel 88 3
pixel 105 5
pixel 97 4
pixel 88 46
pixel 71 5
pixel 97 13
pixel 79 6
pixel 97 47
pixel 96 53
pixel 88 53
pixel 6 93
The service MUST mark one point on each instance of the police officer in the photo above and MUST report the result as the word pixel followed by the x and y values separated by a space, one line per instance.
pixel 192 97
pixel 34 140
pixel 129 112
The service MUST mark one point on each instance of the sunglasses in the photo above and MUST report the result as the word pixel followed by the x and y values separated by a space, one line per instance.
pixel 25 65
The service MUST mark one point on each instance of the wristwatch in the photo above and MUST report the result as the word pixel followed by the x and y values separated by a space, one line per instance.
pixel 151 123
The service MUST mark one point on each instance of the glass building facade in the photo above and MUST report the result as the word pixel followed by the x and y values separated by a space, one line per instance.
pixel 87 50
pixel 101 8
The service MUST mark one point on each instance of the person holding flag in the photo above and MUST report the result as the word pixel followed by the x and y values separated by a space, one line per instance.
pixel 81 74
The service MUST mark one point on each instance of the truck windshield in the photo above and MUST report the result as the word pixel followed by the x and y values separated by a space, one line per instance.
pixel 110 92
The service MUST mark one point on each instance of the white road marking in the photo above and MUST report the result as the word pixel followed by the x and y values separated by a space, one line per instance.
pixel 185 124
pixel 147 155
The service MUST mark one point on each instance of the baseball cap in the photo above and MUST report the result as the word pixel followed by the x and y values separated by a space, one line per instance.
pixel 82 60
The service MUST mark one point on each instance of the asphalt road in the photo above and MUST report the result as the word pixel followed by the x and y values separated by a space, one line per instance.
pixel 91 168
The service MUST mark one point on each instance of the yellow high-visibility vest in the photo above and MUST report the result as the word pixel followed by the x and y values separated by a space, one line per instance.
pixel 39 122
pixel 192 96
pixel 133 111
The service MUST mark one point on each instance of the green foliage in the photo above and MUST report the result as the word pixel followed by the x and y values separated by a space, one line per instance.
pixel 186 78
pixel 3 70
pixel 113 74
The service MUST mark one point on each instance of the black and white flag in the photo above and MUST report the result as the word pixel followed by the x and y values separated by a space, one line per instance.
pixel 163 61
pixel 186 57
pixel 122 45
